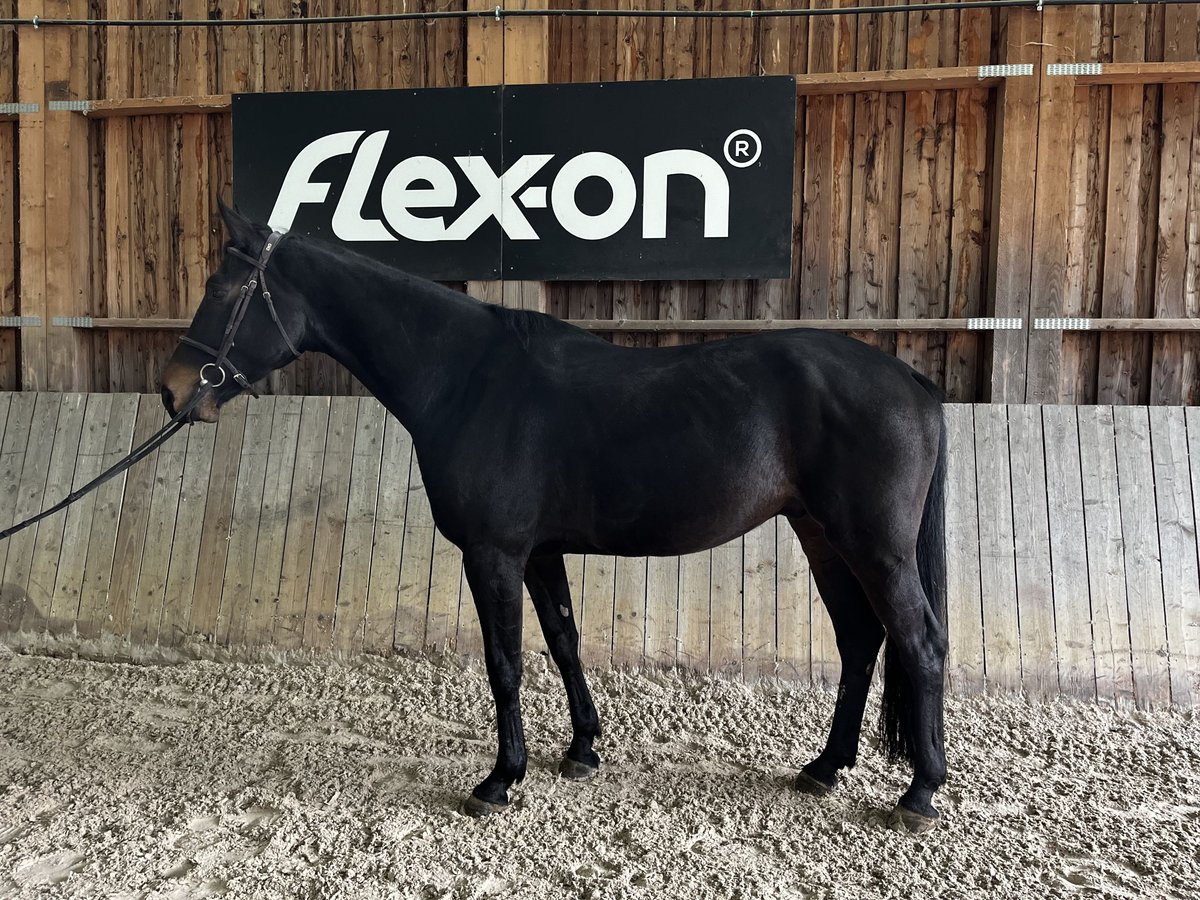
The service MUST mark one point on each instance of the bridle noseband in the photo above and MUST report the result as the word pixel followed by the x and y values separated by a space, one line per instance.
pixel 221 362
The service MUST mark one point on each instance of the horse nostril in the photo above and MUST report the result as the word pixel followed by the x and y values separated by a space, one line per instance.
pixel 168 399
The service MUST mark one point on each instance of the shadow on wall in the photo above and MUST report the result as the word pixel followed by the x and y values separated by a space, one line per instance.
pixel 17 609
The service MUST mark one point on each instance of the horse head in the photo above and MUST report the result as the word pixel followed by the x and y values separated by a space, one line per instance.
pixel 250 322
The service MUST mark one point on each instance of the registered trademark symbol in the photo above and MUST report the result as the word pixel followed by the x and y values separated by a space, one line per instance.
pixel 743 148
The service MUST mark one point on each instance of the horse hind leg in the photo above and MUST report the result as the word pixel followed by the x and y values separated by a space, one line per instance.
pixel 859 635
pixel 546 578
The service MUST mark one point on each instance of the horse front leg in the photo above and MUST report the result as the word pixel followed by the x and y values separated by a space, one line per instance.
pixel 495 580
pixel 546 578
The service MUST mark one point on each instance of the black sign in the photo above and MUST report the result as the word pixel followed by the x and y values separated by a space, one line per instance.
pixel 662 179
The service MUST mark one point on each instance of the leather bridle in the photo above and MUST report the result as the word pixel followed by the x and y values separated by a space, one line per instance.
pixel 221 362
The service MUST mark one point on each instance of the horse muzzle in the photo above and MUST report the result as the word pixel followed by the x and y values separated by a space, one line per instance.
pixel 178 389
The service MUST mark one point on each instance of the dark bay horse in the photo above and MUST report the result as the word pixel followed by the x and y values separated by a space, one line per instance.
pixel 537 439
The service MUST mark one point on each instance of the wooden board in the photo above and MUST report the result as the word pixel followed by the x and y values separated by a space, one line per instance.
pixel 631 585
pixel 1031 535
pixel 93 617
pixel 236 598
pixel 1143 568
pixel 793 627
pixel 759 644
pixel 596 610
pixel 416 565
pixel 997 562
pixel 964 602
pixel 662 610
pixel 301 527
pixel 386 551
pixel 1106 562
pixel 725 608
pixel 1068 552
pixel 1175 507
pixel 350 618
pixel 48 543
pixel 331 523
pixel 257 624
pixel 189 524
pixel 695 573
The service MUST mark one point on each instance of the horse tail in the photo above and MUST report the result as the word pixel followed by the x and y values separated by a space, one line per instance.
pixel 895 721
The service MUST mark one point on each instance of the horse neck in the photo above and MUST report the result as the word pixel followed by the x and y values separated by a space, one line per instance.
pixel 411 342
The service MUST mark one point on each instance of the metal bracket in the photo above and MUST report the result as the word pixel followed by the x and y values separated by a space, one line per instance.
pixel 17 109
pixel 72 321
pixel 1062 323
pixel 989 323
pixel 1007 70
pixel 79 106
pixel 20 321
pixel 1087 68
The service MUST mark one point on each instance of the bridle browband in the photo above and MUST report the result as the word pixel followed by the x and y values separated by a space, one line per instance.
pixel 221 363
pixel 258 276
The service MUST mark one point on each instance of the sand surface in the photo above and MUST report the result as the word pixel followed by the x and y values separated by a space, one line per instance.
pixel 314 778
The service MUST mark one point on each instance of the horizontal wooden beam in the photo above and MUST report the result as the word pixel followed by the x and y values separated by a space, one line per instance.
pixel 1128 73
pixel 627 326
pixel 885 80
pixel 154 106
pixel 899 80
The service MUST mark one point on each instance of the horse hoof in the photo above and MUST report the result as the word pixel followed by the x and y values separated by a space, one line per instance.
pixel 476 808
pixel 806 784
pixel 908 822
pixel 574 770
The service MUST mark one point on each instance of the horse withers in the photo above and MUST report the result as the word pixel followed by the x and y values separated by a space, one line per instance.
pixel 537 439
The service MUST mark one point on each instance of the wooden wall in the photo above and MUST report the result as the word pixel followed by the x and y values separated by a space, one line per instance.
pixel 302 522
pixel 1032 196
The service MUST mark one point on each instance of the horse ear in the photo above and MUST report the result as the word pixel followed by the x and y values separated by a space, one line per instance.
pixel 241 230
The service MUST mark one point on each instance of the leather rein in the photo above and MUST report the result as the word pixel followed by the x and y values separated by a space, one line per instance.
pixel 220 363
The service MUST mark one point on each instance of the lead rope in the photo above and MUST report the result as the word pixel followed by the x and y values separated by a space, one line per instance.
pixel 139 453
pixel 221 360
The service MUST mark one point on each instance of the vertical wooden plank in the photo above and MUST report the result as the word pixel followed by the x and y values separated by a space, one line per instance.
pixel 150 594
pixel 662 610
pixel 1143 566
pixel 1031 533
pixel 194 191
pixel 596 610
pixel 629 612
pixel 1105 548
pixel 970 222
pixel 725 609
pixel 1177 541
pixel 109 499
pixel 298 541
pixel 350 618
pixel 1017 113
pixel 18 428
pixel 445 589
pixel 69 574
pixel 759 646
pixel 257 624
pixel 997 563
pixel 1068 552
pixel 9 251
pixel 695 574
pixel 826 662
pixel 35 575
pixel 218 518
pixel 386 552
pixel 189 525
pixel 1051 207
pixel 793 628
pixel 117 201
pixel 1124 358
pixel 331 523
pixel 926 209
pixel 416 565
pixel 132 530
pixel 963 574
pixel 31 159
pixel 243 526
pixel 1174 372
